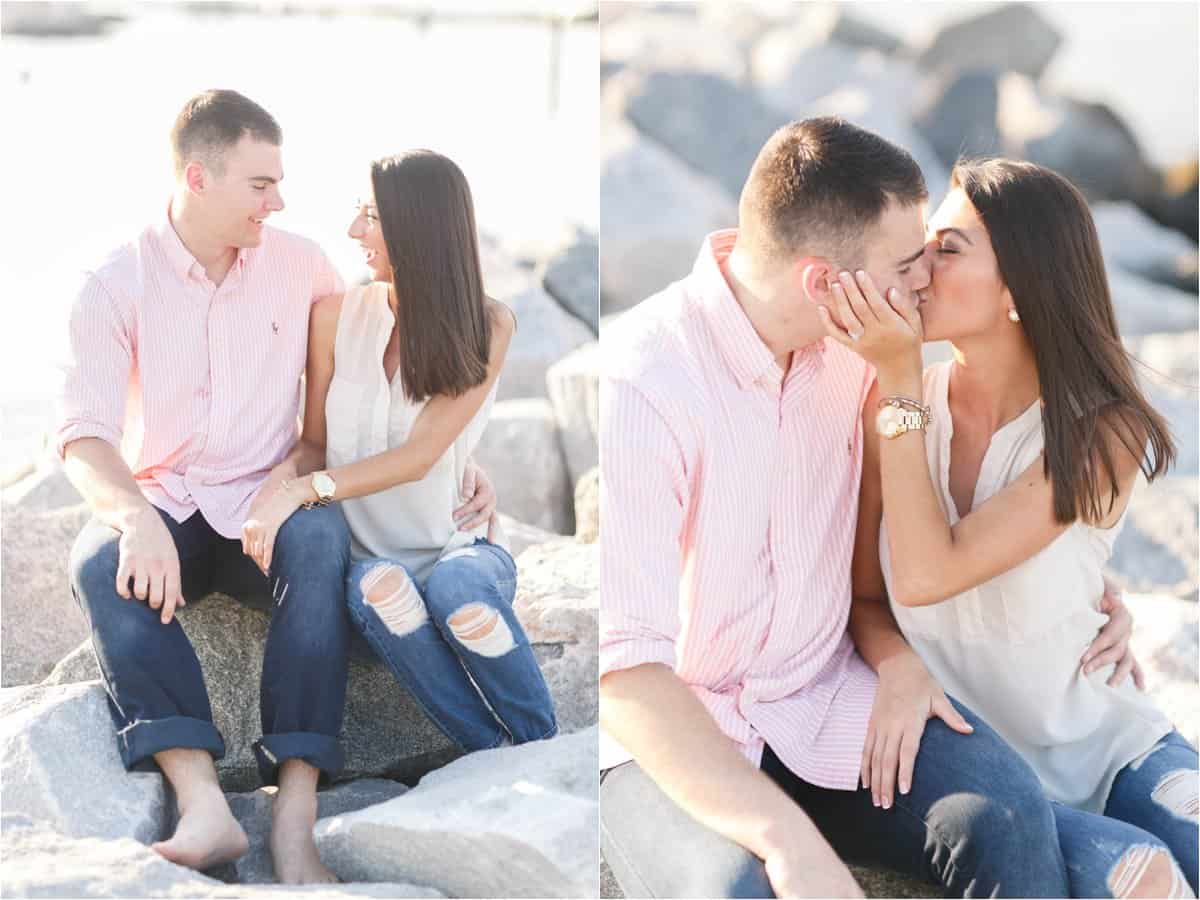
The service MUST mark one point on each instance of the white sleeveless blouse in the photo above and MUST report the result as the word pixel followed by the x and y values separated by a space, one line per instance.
pixel 365 415
pixel 1010 648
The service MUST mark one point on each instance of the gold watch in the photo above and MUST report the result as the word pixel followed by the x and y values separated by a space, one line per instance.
pixel 325 488
pixel 899 415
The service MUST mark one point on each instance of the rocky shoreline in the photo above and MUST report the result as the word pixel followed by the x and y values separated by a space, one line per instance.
pixel 410 815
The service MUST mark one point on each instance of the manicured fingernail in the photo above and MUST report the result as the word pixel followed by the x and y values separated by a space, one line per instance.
pixel 860 274
pixel 887 802
pixel 892 294
pixel 904 787
pixel 874 799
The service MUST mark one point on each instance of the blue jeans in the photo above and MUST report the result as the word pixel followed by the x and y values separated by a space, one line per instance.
pixel 456 644
pixel 155 687
pixel 976 822
pixel 1152 806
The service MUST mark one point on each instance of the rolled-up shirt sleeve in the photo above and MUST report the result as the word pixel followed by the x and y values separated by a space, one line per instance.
pixel 94 366
pixel 643 503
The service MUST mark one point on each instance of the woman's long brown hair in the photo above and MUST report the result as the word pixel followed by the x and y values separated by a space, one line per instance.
pixel 1049 258
pixel 428 223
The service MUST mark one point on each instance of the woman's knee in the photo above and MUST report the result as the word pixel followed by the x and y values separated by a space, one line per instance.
pixel 1147 870
pixel 385 590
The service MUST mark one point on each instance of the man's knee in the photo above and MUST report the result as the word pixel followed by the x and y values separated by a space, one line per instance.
pixel 93 560
pixel 315 536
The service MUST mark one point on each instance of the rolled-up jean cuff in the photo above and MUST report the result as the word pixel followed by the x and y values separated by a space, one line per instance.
pixel 318 750
pixel 140 741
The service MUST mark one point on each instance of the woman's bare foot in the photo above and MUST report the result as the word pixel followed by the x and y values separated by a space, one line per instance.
pixel 293 850
pixel 207 834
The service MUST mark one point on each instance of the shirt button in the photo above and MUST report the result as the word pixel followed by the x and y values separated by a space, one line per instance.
pixel 202 392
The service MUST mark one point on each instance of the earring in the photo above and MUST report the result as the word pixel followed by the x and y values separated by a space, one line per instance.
pixel 1013 316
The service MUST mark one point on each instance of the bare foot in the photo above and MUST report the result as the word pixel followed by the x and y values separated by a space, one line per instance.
pixel 293 850
pixel 207 834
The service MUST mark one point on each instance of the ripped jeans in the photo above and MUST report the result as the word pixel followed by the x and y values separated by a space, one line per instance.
pixel 456 644
pixel 1150 817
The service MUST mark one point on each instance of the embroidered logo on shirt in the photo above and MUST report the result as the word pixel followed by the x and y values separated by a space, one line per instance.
pixel 275 327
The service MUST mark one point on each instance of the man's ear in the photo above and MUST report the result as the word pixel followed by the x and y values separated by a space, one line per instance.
pixel 814 274
pixel 195 176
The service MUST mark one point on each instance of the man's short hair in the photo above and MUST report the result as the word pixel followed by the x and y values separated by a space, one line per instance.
pixel 214 121
pixel 817 185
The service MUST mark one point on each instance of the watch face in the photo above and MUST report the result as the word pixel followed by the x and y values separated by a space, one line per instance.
pixel 323 485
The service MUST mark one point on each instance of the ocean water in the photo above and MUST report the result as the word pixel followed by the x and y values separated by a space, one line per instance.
pixel 84 163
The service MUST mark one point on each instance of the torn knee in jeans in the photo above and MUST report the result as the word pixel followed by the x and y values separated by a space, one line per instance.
pixel 481 629
pixel 1146 871
pixel 1179 793
pixel 389 591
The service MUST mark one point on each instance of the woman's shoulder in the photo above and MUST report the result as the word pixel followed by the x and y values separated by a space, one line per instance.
pixel 502 315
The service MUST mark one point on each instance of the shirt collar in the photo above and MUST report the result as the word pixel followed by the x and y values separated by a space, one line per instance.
pixel 747 356
pixel 179 257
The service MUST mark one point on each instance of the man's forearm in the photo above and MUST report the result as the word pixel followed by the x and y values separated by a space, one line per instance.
pixel 658 719
pixel 99 473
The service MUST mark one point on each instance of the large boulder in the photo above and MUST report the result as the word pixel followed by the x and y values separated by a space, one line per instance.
pixel 958 115
pixel 1144 307
pixel 656 213
pixel 385 733
pixel 253 811
pixel 41 621
pixel 1177 205
pixel 711 123
pixel 663 41
pixel 1086 143
pixel 1165 643
pixel 1133 241
pixel 574 387
pixel 1014 37
pixel 545 331
pixel 521 452
pixel 511 822
pixel 41 862
pixel 571 275
pixel 58 754
pixel 1157 549
pixel 587 507
pixel 558 604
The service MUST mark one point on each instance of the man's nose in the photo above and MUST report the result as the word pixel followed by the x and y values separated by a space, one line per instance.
pixel 276 201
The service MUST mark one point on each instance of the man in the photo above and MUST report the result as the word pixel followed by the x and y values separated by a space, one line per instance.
pixel 731 451
pixel 186 350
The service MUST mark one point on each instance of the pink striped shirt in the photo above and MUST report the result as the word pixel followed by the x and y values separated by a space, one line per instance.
pixel 197 385
pixel 729 496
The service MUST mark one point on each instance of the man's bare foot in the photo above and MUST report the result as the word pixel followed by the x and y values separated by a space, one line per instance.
pixel 293 850
pixel 207 834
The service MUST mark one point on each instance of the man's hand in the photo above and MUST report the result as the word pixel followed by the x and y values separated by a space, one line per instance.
pixel 148 556
pixel 907 698
pixel 477 490
pixel 1112 642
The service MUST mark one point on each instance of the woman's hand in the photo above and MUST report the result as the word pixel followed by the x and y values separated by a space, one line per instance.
pixel 907 698
pixel 885 332
pixel 1112 642
pixel 269 510
pixel 477 490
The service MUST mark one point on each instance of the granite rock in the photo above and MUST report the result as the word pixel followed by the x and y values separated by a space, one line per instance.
pixel 523 456
pixel 574 387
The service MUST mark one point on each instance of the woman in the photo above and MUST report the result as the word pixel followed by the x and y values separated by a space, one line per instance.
pixel 401 378
pixel 1003 477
